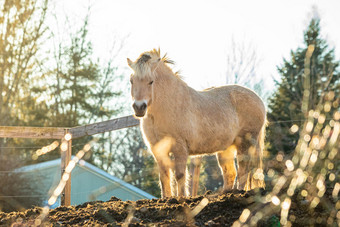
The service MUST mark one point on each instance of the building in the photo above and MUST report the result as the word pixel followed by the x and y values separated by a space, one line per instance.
pixel 88 183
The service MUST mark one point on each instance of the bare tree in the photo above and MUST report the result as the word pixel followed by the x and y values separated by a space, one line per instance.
pixel 21 26
pixel 242 68
pixel 21 32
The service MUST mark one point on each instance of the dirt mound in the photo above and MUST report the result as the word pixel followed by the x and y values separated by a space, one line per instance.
pixel 207 210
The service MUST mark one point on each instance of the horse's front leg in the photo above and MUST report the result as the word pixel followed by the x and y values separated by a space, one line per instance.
pixel 164 166
pixel 181 157
pixel 195 167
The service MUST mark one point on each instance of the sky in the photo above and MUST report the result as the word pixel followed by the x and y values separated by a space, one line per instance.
pixel 198 34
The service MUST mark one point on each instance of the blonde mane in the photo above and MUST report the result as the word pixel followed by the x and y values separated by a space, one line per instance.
pixel 147 63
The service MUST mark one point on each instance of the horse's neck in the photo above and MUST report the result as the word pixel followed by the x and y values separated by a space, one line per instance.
pixel 170 94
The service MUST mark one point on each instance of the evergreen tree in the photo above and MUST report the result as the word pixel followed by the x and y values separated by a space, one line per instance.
pixel 77 89
pixel 285 106
pixel 80 91
pixel 81 88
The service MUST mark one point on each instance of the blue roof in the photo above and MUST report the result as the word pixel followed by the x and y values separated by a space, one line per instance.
pixel 91 168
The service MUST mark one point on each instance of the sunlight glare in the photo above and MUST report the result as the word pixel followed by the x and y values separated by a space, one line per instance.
pixel 275 200
pixel 290 165
pixel 321 119
pixel 284 211
pixel 68 136
pixel 294 129
pixel 309 126
pixel 314 202
pixel 244 216
pixel 204 202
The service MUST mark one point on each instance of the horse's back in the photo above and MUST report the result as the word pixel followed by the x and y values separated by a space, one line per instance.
pixel 248 105
pixel 237 94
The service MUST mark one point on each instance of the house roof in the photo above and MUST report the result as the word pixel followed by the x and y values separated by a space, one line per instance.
pixel 91 168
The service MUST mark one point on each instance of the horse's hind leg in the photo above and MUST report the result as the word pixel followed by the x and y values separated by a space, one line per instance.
pixel 195 167
pixel 226 161
pixel 246 157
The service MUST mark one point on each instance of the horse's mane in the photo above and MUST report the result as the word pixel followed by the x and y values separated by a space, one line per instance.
pixel 148 62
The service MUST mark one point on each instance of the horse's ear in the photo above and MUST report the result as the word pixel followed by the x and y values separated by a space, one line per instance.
pixel 130 63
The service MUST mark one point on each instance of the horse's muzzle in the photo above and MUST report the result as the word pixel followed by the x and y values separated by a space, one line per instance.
pixel 139 108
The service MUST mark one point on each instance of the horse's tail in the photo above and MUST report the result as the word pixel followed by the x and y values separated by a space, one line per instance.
pixel 261 142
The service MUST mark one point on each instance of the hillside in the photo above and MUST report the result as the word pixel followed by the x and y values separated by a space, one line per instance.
pixel 207 210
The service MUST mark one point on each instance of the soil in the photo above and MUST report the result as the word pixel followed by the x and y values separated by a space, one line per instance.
pixel 206 210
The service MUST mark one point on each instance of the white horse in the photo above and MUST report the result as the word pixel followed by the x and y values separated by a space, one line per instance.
pixel 178 120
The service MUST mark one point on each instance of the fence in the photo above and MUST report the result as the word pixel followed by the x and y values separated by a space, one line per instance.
pixel 86 130
pixel 59 133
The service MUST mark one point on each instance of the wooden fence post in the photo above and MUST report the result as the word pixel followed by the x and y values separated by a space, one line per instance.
pixel 66 153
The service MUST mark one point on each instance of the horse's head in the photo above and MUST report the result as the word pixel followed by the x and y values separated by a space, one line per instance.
pixel 144 78
pixel 141 92
pixel 142 81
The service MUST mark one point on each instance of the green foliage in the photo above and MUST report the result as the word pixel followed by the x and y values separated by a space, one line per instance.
pixel 22 29
pixel 81 88
pixel 77 90
pixel 273 221
pixel 62 88
pixel 285 106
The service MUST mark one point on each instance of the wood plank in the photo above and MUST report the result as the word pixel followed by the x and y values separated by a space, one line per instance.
pixel 105 126
pixel 31 132
pixel 65 159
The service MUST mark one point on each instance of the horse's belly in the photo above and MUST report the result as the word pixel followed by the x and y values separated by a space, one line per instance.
pixel 209 146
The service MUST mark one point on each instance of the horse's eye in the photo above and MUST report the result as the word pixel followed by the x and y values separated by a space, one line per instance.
pixel 151 83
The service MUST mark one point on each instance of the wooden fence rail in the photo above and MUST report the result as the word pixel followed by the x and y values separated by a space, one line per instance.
pixel 31 132
pixel 77 132
pixel 59 133
pixel 105 126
